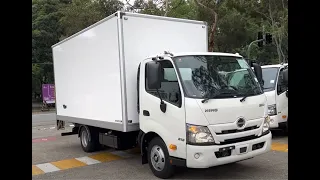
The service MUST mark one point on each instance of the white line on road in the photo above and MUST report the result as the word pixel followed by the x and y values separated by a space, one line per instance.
pixel 87 160
pixel 47 167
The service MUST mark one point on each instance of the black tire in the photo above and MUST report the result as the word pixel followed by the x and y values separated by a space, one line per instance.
pixel 168 170
pixel 89 139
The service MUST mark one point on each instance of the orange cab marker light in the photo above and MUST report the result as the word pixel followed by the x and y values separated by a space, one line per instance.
pixel 173 147
pixel 284 116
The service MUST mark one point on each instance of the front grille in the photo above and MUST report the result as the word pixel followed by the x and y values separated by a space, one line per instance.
pixel 237 130
pixel 236 140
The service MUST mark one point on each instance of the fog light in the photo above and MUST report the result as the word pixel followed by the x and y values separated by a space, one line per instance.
pixel 196 155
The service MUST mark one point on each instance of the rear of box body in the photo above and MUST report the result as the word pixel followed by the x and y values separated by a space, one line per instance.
pixel 96 69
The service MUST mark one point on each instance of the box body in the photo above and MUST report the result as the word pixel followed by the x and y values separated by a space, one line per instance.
pixel 96 69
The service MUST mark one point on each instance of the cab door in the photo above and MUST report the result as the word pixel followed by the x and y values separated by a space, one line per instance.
pixel 281 98
pixel 169 125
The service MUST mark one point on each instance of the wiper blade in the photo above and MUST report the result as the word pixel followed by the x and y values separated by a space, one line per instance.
pixel 205 100
pixel 222 93
pixel 247 94
pixel 243 99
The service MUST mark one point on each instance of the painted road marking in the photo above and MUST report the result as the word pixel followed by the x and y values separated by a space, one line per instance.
pixel 47 167
pixel 122 154
pixel 279 147
pixel 36 170
pixel 80 162
pixel 68 164
pixel 105 157
pixel 87 160
pixel 43 139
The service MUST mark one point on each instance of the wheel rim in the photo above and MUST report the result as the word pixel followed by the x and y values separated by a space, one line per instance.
pixel 157 158
pixel 84 138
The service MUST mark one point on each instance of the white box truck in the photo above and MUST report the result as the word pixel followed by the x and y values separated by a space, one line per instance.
pixel 276 89
pixel 181 109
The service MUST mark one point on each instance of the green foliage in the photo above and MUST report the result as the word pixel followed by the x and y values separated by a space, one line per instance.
pixel 182 9
pixel 238 24
pixel 83 13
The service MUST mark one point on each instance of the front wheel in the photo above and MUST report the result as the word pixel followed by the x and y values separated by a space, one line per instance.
pixel 158 158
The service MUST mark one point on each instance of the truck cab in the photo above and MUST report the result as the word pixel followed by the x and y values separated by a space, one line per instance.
pixel 200 110
pixel 277 94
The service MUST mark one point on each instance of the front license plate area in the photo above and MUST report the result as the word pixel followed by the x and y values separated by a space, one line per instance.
pixel 226 148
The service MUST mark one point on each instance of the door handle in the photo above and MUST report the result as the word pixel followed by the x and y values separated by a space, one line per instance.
pixel 146 113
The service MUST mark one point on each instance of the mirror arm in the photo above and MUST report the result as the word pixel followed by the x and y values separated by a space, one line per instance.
pixel 161 101
pixel 163 106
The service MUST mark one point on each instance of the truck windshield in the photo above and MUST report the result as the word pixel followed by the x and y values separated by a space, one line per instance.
pixel 211 76
pixel 270 78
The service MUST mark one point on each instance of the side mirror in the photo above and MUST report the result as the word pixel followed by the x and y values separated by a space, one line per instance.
pixel 285 77
pixel 154 75
pixel 258 72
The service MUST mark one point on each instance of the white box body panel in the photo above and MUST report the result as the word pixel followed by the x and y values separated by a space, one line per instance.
pixel 146 35
pixel 96 69
pixel 87 74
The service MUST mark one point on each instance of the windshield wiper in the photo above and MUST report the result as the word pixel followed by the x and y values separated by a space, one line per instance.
pixel 247 94
pixel 208 96
pixel 205 100
pixel 220 93
pixel 244 98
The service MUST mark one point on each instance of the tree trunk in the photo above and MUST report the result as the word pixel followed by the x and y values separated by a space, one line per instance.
pixel 213 26
pixel 213 30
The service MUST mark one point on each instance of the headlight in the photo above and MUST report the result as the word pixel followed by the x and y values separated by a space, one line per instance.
pixel 199 135
pixel 272 110
pixel 266 125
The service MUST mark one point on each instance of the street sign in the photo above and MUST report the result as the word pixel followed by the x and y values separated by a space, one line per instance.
pixel 48 93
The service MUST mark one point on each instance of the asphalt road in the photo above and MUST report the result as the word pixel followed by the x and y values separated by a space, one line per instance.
pixel 56 157
pixel 43 119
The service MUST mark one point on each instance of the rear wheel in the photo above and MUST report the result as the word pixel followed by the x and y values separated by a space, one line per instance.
pixel 89 139
pixel 158 158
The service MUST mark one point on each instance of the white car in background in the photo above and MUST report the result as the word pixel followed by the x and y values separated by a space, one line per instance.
pixel 277 95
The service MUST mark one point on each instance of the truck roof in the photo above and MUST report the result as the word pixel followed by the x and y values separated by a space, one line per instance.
pixel 132 15
pixel 200 53
pixel 274 65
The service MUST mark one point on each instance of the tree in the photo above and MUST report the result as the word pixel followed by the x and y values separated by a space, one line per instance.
pixel 46 31
pixel 273 16
pixel 81 14
pixel 212 7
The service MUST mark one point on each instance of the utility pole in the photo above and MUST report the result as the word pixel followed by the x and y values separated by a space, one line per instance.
pixel 263 39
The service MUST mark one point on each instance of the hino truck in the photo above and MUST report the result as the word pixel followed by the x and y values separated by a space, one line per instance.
pixel 134 80
pixel 276 89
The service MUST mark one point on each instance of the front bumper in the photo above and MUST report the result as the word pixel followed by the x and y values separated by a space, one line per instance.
pixel 276 120
pixel 209 155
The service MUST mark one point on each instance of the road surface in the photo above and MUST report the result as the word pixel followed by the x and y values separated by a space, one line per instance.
pixel 43 119
pixel 56 157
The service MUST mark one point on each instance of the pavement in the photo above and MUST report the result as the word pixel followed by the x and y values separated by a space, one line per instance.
pixel 41 119
pixel 57 157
